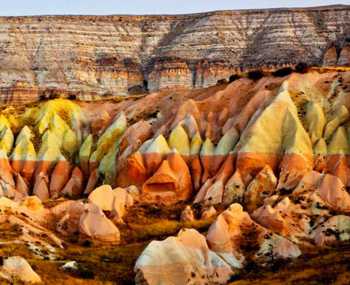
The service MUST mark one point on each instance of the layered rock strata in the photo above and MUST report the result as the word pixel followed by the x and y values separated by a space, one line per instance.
pixel 92 56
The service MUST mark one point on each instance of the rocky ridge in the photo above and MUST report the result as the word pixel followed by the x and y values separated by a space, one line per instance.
pixel 93 56
pixel 265 160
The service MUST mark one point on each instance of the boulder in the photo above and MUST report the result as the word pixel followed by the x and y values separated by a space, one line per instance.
pixel 336 228
pixel 234 234
pixel 114 201
pixel 17 268
pixel 185 259
pixel 94 224
pixel 187 214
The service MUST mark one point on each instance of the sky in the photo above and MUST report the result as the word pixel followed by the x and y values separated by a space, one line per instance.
pixel 107 7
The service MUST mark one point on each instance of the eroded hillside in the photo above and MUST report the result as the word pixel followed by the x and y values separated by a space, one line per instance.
pixel 229 178
pixel 92 56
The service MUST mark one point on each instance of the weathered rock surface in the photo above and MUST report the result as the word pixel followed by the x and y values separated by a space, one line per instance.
pixel 17 268
pixel 185 259
pixel 89 56
pixel 277 147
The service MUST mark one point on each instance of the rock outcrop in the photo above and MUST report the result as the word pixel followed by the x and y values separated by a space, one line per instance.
pixel 277 147
pixel 17 268
pixel 92 56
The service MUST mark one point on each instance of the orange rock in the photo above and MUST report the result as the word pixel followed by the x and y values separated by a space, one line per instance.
pixel 134 171
pixel 152 161
pixel 6 171
pixel 262 186
pixel 233 230
pixel 293 168
pixel 249 164
pixel 59 177
pixel 212 191
pixel 74 187
pixel 180 168
pixel 28 169
pixel 92 181
pixel 69 222
pixel 196 171
pixel 170 183
pixel 21 185
pixel 41 189
pixel 338 166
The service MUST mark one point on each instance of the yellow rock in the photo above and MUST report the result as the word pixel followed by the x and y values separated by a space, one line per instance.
pixel 112 133
pixel 315 120
pixel 264 134
pixel 277 129
pixel 50 147
pixel 25 134
pixel 158 145
pixel 339 117
pixel 58 125
pixel 85 149
pixel 227 142
pixel 7 140
pixel 196 144
pixel 70 142
pixel 4 123
pixel 320 147
pixel 207 148
pixel 24 150
pixel 107 165
pixel 339 143
pixel 295 139
pixel 178 139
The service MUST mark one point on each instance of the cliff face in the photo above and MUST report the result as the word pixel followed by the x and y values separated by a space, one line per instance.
pixel 111 55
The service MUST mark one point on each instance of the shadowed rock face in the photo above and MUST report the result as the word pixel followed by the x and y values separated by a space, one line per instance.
pixel 88 56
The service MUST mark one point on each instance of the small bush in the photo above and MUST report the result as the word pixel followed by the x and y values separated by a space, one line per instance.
pixel 72 97
pixel 221 82
pixel 234 77
pixel 301 67
pixel 255 74
pixel 282 72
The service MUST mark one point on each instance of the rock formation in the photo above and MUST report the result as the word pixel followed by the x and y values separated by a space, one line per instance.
pixel 17 268
pixel 92 56
pixel 278 146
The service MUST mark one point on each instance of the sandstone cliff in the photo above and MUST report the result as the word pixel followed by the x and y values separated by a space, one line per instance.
pixel 88 56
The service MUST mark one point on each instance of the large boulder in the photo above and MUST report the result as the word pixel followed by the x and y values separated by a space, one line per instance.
pixel 234 235
pixel 16 268
pixel 114 201
pixel 94 224
pixel 185 259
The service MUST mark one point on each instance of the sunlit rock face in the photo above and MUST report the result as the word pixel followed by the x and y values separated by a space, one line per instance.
pixel 265 162
pixel 92 56
pixel 241 142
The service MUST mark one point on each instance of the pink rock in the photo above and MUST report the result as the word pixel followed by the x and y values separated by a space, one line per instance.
pixel 94 224
pixel 185 259
pixel 41 188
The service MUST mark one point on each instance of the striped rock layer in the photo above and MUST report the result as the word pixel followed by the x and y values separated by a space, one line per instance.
pixel 92 56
